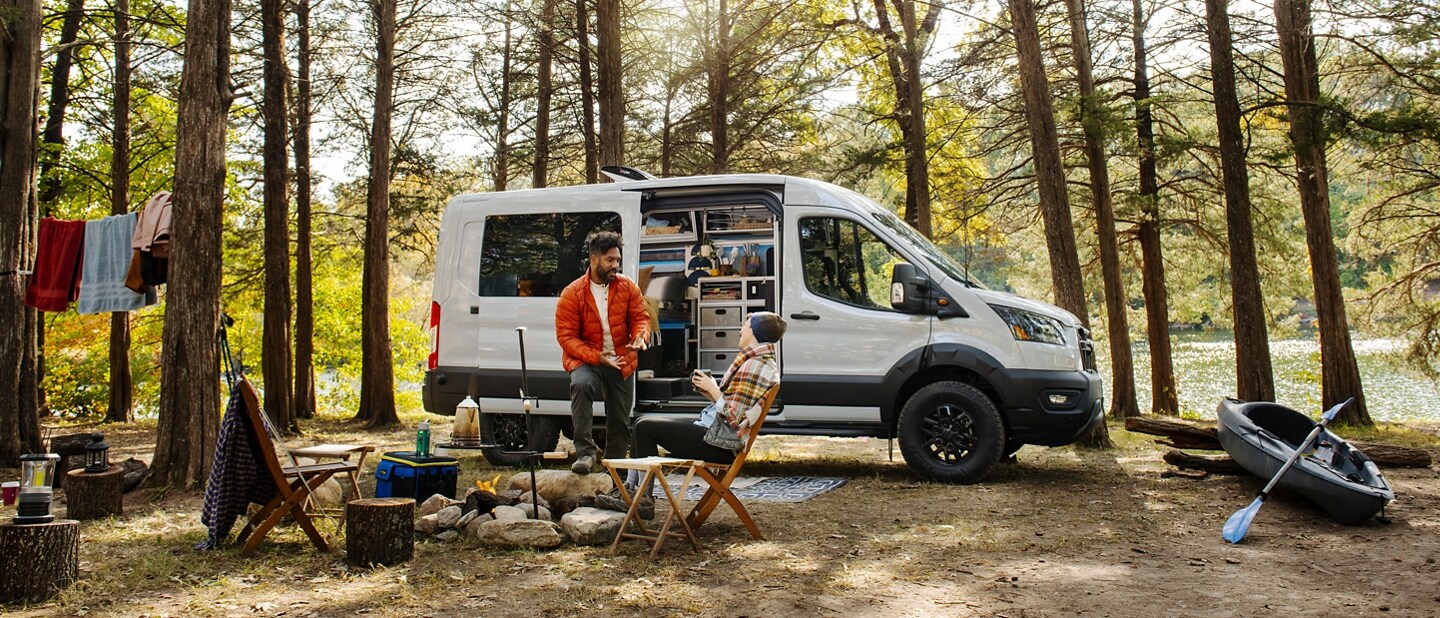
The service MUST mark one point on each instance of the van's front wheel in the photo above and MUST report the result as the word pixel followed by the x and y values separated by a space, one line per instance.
pixel 508 431
pixel 951 432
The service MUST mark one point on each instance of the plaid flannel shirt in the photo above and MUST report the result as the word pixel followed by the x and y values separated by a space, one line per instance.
pixel 745 383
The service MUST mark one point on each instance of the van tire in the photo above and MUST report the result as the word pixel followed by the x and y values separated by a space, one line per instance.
pixel 508 430
pixel 951 432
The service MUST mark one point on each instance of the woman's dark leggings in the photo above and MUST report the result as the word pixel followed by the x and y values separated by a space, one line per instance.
pixel 682 438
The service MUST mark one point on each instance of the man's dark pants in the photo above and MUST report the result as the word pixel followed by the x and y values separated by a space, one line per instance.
pixel 587 383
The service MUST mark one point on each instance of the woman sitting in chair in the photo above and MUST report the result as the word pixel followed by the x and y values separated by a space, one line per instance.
pixel 734 399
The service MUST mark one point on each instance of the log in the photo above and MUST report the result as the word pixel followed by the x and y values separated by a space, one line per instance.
pixel 1196 436
pixel 135 473
pixel 1214 464
pixel 95 496
pixel 37 561
pixel 67 447
pixel 379 531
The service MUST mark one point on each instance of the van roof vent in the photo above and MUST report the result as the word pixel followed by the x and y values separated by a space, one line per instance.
pixel 620 173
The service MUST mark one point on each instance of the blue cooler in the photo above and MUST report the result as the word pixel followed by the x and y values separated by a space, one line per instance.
pixel 402 474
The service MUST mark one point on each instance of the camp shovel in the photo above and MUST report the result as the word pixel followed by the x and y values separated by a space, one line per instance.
pixel 1239 523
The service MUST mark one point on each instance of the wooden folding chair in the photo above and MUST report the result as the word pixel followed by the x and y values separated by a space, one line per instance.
pixel 293 483
pixel 719 476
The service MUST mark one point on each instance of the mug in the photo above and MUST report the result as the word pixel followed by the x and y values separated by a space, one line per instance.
pixel 10 490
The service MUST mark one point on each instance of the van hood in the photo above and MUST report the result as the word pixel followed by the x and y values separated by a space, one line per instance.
pixel 1020 302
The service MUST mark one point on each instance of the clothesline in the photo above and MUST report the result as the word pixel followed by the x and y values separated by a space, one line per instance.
pixel 120 259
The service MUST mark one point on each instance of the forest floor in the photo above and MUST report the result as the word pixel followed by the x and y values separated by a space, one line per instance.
pixel 1062 532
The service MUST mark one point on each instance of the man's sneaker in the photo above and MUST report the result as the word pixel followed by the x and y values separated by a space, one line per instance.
pixel 583 465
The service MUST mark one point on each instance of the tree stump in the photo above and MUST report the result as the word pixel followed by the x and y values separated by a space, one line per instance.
pixel 37 561
pixel 379 531
pixel 95 496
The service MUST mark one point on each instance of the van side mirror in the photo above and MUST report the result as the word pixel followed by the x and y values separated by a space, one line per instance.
pixel 911 291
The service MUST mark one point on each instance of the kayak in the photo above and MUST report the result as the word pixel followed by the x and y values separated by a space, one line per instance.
pixel 1261 436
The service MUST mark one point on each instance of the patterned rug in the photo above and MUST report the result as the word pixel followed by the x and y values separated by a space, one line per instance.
pixel 761 489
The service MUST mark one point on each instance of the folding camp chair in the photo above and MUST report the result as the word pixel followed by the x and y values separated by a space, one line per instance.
pixel 720 485
pixel 293 483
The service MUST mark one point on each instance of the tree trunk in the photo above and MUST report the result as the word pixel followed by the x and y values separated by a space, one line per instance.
pixel 53 136
pixel 1254 379
pixel 37 561
pixel 1122 365
pixel 122 406
pixel 1339 374
pixel 275 357
pixel 189 374
pixel 304 397
pixel 95 496
pixel 377 387
pixel 587 93
pixel 19 81
pixel 917 155
pixel 544 90
pixel 502 132
pixel 612 96
pixel 379 531
pixel 1164 397
pixel 718 88
pixel 1049 173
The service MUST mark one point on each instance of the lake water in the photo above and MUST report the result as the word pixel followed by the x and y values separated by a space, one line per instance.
pixel 1205 372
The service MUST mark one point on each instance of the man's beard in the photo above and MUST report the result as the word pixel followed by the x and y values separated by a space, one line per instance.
pixel 603 275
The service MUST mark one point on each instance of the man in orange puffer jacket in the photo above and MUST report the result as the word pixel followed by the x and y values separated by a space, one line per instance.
pixel 600 354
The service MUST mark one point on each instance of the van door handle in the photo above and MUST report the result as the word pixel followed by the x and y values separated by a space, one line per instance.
pixel 805 315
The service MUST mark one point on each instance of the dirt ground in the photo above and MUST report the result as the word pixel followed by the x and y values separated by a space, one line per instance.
pixel 1060 533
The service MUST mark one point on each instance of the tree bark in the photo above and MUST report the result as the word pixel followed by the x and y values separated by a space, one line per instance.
pixel 1122 365
pixel 1049 171
pixel 275 357
pixel 1164 396
pixel 122 403
pixel 19 82
pixel 1339 374
pixel 379 531
pixel 37 561
pixel 587 93
pixel 377 387
pixel 611 95
pixel 1254 377
pixel 502 132
pixel 189 374
pixel 544 91
pixel 304 395
pixel 718 89
pixel 902 56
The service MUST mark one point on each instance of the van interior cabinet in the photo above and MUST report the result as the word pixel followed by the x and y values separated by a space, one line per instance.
pixel 724 303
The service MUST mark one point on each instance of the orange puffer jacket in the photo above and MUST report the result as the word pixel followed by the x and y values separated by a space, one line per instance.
pixel 577 323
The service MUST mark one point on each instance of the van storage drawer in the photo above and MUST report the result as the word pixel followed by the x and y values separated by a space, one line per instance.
pixel 728 339
pixel 721 316
pixel 716 362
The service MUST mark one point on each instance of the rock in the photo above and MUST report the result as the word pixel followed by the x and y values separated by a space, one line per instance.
pixel 466 519
pixel 474 525
pixel 569 503
pixel 429 524
pixel 591 526
pixel 447 536
pixel 530 512
pixel 555 484
pixel 502 513
pixel 329 494
pixel 521 532
pixel 433 504
pixel 449 517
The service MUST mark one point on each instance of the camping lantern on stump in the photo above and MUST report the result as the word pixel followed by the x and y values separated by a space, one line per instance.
pixel 97 454
pixel 36 477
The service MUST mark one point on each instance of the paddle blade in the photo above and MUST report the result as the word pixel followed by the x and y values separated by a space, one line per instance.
pixel 1239 523
pixel 1330 414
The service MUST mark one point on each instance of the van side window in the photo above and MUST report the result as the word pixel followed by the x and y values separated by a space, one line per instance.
pixel 539 254
pixel 844 261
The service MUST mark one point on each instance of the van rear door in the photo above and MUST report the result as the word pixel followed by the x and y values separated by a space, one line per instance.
pixel 509 259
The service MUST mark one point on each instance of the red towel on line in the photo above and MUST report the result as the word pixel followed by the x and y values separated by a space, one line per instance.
pixel 56 280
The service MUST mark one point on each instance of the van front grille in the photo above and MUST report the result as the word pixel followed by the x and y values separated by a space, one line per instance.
pixel 1087 349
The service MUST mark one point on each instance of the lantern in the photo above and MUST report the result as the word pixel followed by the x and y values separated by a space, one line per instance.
pixel 37 472
pixel 97 454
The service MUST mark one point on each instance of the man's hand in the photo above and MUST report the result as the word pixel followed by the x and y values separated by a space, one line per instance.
pixel 609 360
pixel 641 342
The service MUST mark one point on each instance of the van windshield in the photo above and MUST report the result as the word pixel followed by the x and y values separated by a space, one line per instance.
pixel 939 258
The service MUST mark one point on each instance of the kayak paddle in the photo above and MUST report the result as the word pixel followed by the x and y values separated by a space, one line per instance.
pixel 1239 523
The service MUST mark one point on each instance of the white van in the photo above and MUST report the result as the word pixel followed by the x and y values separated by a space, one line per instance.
pixel 888 337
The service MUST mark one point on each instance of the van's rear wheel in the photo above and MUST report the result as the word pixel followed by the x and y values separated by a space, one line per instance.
pixel 508 430
pixel 951 432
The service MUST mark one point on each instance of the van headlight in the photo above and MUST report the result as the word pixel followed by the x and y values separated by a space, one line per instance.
pixel 1031 326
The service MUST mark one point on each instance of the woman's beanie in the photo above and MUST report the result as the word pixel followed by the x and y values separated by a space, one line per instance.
pixel 767 327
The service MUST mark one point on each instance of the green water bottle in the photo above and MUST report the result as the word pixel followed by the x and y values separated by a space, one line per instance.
pixel 422 440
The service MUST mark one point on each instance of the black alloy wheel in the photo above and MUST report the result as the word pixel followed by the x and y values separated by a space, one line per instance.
pixel 951 432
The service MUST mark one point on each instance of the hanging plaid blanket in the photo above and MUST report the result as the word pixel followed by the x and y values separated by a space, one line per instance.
pixel 237 475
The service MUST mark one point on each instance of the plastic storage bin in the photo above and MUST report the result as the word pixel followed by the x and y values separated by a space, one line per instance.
pixel 401 474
